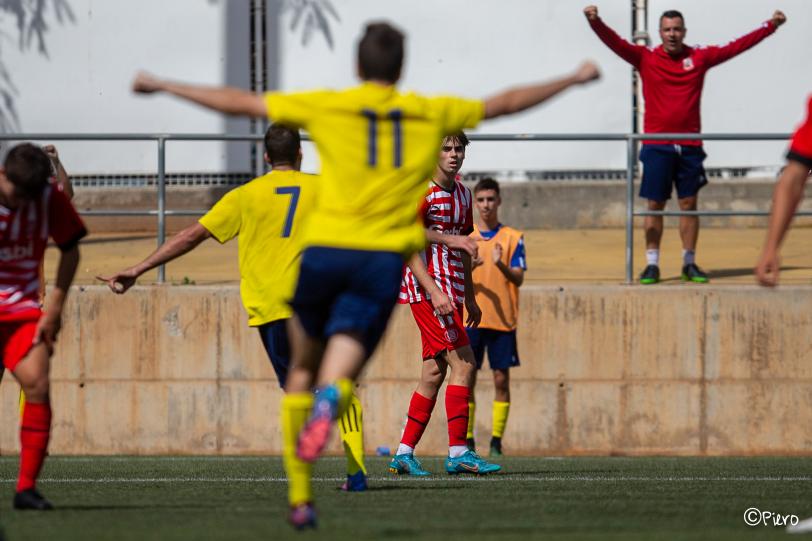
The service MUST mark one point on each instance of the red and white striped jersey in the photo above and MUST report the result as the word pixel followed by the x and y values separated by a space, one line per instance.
pixel 450 213
pixel 24 233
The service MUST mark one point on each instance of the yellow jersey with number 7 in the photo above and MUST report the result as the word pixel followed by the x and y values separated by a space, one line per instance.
pixel 266 216
pixel 377 146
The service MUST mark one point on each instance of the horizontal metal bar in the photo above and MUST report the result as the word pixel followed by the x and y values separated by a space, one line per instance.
pixel 473 137
pixel 112 212
pixel 711 213
pixel 712 136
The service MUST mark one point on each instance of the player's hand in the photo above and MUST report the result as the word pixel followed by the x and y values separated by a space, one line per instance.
pixel 496 253
pixel 442 304
pixel 48 327
pixel 50 150
pixel 475 262
pixel 779 18
pixel 120 282
pixel 591 12
pixel 767 269
pixel 144 83
pixel 586 72
pixel 464 243
pixel 474 313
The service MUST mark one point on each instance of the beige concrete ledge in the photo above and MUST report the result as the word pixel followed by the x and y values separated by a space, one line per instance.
pixel 605 370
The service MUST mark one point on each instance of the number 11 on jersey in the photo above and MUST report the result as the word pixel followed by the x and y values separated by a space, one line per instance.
pixel 394 116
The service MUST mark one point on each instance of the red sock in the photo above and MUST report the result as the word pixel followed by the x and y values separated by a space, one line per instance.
pixel 456 408
pixel 35 429
pixel 420 409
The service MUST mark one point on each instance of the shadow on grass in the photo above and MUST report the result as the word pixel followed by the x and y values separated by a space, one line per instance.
pixel 728 273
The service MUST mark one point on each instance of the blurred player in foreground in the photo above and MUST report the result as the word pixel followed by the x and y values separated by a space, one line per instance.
pixel 377 146
pixel 787 196
pixel 436 285
pixel 266 215
pixel 498 273
pixel 31 211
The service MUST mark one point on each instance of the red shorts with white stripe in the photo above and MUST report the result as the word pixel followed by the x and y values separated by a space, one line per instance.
pixel 16 339
pixel 439 333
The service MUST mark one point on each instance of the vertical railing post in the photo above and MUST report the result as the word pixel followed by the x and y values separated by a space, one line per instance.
pixel 161 202
pixel 630 164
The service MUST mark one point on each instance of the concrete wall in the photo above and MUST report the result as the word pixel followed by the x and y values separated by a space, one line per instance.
pixel 526 205
pixel 605 370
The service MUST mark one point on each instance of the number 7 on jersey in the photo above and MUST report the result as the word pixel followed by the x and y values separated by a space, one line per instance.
pixel 293 192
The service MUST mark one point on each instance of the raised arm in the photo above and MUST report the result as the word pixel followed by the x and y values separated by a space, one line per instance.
pixel 787 195
pixel 524 97
pixel 629 52
pixel 62 178
pixel 717 54
pixel 228 100
pixel 183 242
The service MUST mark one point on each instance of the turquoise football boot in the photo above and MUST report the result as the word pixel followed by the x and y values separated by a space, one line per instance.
pixel 407 464
pixel 470 462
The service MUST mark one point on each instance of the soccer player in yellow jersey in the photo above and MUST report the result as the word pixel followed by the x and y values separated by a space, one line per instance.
pixel 266 215
pixel 377 146
pixel 498 272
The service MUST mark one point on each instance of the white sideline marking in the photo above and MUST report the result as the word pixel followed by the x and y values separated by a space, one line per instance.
pixel 490 479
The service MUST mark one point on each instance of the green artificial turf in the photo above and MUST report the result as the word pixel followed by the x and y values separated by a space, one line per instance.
pixel 234 498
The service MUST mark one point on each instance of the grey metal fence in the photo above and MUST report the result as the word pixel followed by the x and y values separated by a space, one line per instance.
pixel 631 141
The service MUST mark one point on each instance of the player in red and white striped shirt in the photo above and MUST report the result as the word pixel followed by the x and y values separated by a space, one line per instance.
pixel 436 285
pixel 31 211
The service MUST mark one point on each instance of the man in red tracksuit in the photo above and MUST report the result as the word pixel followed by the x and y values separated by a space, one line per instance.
pixel 673 74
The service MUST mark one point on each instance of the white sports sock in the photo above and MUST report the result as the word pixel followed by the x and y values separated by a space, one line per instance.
pixel 404 449
pixel 653 257
pixel 688 257
pixel 456 451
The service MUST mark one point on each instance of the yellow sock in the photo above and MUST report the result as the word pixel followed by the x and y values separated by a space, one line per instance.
pixel 471 411
pixel 351 425
pixel 22 402
pixel 500 416
pixel 296 408
pixel 345 393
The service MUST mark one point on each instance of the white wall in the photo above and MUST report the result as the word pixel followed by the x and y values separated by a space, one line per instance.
pixel 470 48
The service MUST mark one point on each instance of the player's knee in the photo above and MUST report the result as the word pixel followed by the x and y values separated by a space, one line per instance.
pixel 688 203
pixel 501 380
pixel 38 389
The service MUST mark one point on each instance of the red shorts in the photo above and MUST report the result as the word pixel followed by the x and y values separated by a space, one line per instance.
pixel 16 339
pixel 439 333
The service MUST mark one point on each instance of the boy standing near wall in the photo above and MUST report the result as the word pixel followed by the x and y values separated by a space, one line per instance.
pixel 498 272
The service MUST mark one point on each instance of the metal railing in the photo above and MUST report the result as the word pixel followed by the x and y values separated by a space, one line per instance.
pixel 631 141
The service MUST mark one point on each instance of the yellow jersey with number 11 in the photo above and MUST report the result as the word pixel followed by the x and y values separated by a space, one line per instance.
pixel 377 146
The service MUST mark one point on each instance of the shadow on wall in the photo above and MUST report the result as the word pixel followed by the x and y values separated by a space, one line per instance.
pixel 31 22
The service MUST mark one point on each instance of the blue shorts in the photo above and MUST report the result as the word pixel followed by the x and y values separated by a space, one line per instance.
pixel 666 166
pixel 347 291
pixel 501 346
pixel 274 337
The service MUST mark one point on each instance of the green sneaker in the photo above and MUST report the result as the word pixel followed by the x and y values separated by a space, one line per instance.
pixel 407 465
pixel 692 273
pixel 470 462
pixel 650 275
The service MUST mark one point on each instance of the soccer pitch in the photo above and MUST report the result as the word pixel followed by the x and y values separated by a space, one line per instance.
pixel 231 498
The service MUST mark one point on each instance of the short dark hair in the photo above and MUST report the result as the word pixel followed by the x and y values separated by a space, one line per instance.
pixel 460 136
pixel 487 183
pixel 28 168
pixel 672 14
pixel 282 144
pixel 380 52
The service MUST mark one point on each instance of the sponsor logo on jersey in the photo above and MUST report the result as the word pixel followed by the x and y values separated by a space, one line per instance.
pixel 17 251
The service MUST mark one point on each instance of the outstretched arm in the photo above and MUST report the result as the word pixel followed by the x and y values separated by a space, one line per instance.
pixel 717 55
pixel 183 242
pixel 787 195
pixel 521 98
pixel 228 100
pixel 629 52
